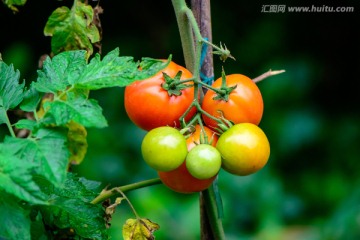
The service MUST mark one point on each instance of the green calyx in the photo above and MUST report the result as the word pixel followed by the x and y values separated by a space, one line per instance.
pixel 223 52
pixel 224 91
pixel 174 85
pixel 224 124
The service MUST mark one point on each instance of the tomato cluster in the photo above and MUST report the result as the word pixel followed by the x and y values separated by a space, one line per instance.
pixel 230 139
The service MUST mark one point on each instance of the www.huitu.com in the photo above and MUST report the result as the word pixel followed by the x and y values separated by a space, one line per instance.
pixel 306 9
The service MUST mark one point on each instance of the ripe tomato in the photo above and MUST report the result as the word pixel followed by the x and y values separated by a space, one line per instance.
pixel 203 161
pixel 245 103
pixel 244 148
pixel 149 105
pixel 164 148
pixel 180 180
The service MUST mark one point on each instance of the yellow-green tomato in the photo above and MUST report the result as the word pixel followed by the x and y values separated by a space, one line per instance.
pixel 244 149
pixel 203 161
pixel 164 148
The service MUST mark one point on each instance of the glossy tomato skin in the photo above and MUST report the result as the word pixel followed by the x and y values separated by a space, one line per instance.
pixel 164 148
pixel 149 106
pixel 244 149
pixel 180 180
pixel 203 161
pixel 245 102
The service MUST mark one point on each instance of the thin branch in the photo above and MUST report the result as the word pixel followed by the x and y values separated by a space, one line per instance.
pixel 128 201
pixel 8 124
pixel 107 193
pixel 267 74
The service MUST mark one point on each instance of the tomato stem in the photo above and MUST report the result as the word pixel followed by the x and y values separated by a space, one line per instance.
pixel 107 193
pixel 193 120
pixel 222 51
pixel 197 117
pixel 186 33
pixel 213 213
pixel 209 115
pixel 203 132
pixel 128 201
pixel 217 90
pixel 8 124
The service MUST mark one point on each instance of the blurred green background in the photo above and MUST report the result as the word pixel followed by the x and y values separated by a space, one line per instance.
pixel 310 188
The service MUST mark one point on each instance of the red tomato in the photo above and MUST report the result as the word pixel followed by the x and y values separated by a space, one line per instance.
pixel 180 180
pixel 149 106
pixel 245 103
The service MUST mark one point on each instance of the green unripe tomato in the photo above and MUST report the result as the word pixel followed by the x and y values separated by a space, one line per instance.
pixel 244 149
pixel 164 148
pixel 203 161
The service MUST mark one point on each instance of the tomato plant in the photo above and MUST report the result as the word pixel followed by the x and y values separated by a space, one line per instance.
pixel 244 148
pixel 47 121
pixel 180 180
pixel 243 102
pixel 164 148
pixel 149 103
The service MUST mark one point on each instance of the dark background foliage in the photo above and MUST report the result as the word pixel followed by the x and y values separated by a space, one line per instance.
pixel 310 187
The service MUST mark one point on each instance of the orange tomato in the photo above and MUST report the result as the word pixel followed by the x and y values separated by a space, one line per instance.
pixel 245 103
pixel 244 148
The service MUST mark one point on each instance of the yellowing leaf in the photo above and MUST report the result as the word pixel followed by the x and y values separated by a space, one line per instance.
pixel 139 229
pixel 110 210
pixel 77 142
pixel 72 29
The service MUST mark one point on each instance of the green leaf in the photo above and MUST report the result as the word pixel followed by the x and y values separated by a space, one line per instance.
pixel 85 219
pixel 139 229
pixel 37 228
pixel 152 66
pixel 69 70
pixel 3 115
pixel 26 124
pixel 73 187
pixel 77 108
pixel 14 219
pixel 111 71
pixel 115 71
pixel 11 92
pixel 71 208
pixel 60 72
pixel 72 29
pixel 16 177
pixel 47 151
pixel 31 99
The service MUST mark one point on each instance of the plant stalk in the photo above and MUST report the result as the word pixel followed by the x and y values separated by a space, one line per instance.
pixel 8 124
pixel 211 217
pixel 186 33
pixel 192 40
pixel 105 194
